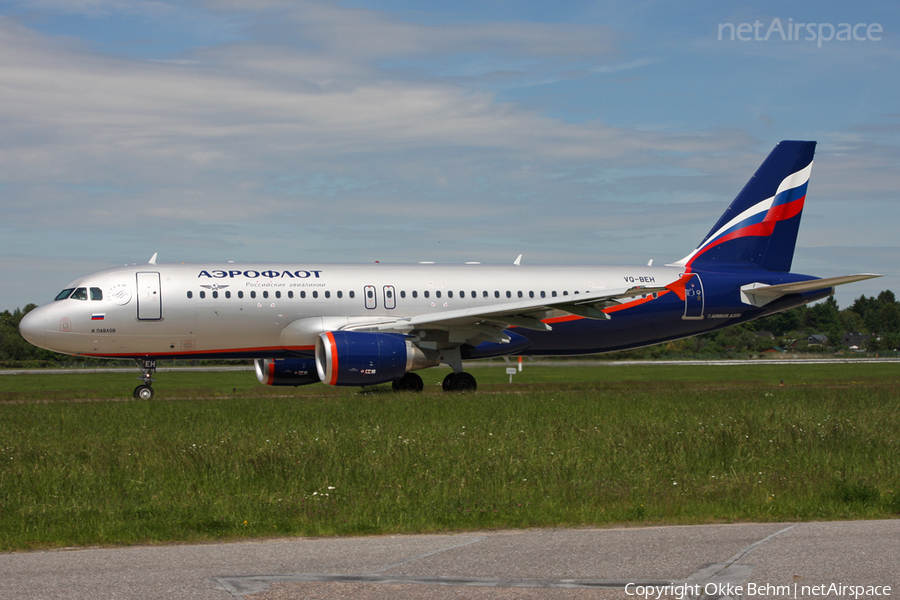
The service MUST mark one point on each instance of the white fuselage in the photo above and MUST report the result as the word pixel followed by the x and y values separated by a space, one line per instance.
pixel 260 309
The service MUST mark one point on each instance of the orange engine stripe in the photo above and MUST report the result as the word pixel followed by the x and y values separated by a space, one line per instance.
pixel 334 358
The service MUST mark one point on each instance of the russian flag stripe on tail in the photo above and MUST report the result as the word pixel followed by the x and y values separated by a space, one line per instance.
pixel 760 227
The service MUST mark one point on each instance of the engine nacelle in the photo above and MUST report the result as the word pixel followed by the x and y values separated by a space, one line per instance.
pixel 287 371
pixel 368 358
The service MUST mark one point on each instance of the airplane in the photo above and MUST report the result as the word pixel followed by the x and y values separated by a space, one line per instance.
pixel 358 325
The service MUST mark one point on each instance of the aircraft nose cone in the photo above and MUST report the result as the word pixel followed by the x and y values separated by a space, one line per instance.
pixel 33 327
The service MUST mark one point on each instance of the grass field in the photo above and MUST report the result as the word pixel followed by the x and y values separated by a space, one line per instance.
pixel 218 456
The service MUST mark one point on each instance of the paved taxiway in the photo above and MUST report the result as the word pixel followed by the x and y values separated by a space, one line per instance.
pixel 536 563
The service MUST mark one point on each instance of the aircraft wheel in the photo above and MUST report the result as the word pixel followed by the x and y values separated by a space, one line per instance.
pixel 410 382
pixel 143 392
pixel 462 382
pixel 446 384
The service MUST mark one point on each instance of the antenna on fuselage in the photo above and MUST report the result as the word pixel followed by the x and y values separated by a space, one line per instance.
pixel 518 261
pixel 153 258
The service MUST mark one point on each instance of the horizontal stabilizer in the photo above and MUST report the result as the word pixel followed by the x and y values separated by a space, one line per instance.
pixel 760 294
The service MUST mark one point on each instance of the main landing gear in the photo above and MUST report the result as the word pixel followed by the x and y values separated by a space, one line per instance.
pixel 148 368
pixel 454 382
pixel 409 383
pixel 459 382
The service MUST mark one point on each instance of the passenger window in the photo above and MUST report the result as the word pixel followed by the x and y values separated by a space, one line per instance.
pixel 327 294
pixel 64 294
pixel 520 294
pixel 352 294
pixel 531 294
pixel 278 294
pixel 425 293
pixel 543 294
pixel 508 294
pixel 79 294
pixel 554 293
pixel 402 293
pixel 450 294
pixel 496 294
pixel 240 294
pixel 437 294
pixel 203 294
pixel 303 294
pixel 96 294
pixel 315 294
pixel 265 294
pixel 215 294
pixel 415 294
pixel 252 294
pixel 190 294
pixel 290 294
pixel 228 294
pixel 340 294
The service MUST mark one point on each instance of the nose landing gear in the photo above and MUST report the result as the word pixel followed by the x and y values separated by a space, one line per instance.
pixel 148 368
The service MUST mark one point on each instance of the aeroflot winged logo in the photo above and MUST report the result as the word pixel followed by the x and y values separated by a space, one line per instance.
pixel 254 274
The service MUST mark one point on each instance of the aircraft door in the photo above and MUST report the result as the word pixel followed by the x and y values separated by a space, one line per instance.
pixel 693 298
pixel 389 299
pixel 149 297
pixel 369 293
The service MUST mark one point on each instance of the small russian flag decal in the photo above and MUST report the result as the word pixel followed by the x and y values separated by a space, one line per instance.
pixel 99 317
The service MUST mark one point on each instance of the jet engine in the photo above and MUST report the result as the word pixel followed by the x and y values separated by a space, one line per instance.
pixel 287 371
pixel 368 358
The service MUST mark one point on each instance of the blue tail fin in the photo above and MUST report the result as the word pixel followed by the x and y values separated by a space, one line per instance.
pixel 760 227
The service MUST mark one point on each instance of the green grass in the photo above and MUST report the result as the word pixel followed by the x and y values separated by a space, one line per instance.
pixel 218 456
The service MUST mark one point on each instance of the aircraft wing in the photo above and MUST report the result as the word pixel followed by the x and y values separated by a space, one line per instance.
pixel 759 294
pixel 486 323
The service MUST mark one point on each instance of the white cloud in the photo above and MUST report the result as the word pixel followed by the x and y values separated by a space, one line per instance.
pixel 326 132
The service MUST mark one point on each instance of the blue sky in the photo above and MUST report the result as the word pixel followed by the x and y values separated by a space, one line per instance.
pixel 577 132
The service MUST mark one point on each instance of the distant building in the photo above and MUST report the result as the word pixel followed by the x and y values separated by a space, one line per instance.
pixel 855 340
pixel 817 340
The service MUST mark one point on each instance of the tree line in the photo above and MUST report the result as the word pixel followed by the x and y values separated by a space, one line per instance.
pixel 822 327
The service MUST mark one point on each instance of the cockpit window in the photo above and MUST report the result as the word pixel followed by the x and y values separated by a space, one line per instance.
pixel 79 294
pixel 96 294
pixel 64 294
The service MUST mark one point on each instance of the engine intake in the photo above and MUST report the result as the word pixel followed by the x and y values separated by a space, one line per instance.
pixel 368 358
pixel 288 371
